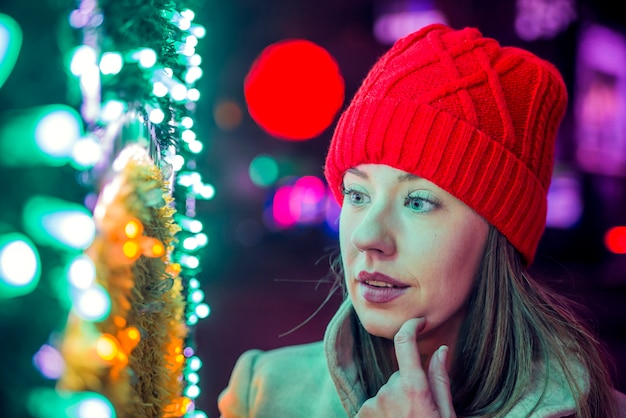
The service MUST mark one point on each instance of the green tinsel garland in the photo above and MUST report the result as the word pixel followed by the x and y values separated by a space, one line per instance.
pixel 129 25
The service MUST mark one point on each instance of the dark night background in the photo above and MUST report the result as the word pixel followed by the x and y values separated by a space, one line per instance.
pixel 261 282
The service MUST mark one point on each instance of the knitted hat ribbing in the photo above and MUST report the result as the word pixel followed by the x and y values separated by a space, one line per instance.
pixel 477 119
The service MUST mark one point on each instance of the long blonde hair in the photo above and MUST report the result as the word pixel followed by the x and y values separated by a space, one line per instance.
pixel 512 321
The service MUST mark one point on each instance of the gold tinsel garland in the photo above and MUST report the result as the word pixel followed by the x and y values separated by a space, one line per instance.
pixel 134 356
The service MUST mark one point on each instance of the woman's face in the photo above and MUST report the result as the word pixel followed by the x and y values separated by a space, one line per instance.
pixel 409 249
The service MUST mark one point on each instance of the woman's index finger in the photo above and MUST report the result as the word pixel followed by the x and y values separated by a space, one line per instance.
pixel 405 343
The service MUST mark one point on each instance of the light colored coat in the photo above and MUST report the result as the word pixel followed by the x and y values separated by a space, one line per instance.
pixel 319 380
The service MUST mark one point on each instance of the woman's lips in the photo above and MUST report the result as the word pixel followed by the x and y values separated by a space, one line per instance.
pixel 379 288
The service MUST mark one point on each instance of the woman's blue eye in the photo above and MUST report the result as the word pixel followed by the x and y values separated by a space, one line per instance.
pixel 420 203
pixel 354 196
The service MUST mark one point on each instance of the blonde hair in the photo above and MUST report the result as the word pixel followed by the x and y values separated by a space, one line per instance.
pixel 512 321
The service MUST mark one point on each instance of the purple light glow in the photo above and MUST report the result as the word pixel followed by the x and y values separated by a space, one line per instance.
pixel 543 19
pixel 601 102
pixel 565 203
pixel 49 362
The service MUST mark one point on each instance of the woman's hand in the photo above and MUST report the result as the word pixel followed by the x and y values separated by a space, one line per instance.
pixel 410 392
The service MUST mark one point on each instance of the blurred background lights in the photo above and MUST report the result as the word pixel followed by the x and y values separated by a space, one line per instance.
pixel 178 92
pixel 94 408
pixel 195 363
pixel 187 122
pixel 10 45
pixel 396 19
pixel 112 110
pixel 159 89
pixel 19 265
pixel 53 403
pixel 202 310
pixel 615 239
pixel 227 114
pixel 49 362
pixel 43 135
pixel 194 72
pixel 190 224
pixel 58 130
pixel 193 94
pixel 198 31
pixel 55 222
pixel 189 261
pixel 204 191
pixel 304 202
pixel 191 41
pixel 294 89
pixel 92 304
pixel 307 200
pixel 281 210
pixel 188 135
pixel 192 391
pixel 106 347
pixel 188 14
pixel 543 19
pixel 190 244
pixel 86 153
pixel 145 57
pixel 202 239
pixel 197 296
pixel 83 58
pixel 565 202
pixel 81 272
pixel 155 114
pixel 263 170
pixel 195 146
pixel 111 63
pixel 193 378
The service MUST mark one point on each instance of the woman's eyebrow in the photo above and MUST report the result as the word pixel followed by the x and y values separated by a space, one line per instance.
pixel 408 177
pixel 358 172
pixel 401 177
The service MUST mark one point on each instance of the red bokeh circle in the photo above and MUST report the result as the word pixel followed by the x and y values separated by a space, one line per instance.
pixel 294 89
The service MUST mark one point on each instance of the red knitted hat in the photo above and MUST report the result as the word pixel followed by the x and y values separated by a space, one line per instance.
pixel 477 119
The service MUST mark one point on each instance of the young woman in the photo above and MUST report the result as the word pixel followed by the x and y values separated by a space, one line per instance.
pixel 441 164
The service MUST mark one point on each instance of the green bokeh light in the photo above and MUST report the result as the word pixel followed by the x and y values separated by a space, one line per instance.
pixel 10 45
pixel 43 135
pixel 51 403
pixel 58 223
pixel 263 170
pixel 20 267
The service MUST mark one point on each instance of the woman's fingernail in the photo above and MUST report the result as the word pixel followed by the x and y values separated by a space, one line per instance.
pixel 443 354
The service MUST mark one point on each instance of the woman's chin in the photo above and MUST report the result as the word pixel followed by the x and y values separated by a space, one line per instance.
pixel 383 329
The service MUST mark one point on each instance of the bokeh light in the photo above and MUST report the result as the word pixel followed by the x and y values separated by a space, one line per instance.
pixel 263 170
pixel 302 202
pixel 10 45
pixel 228 115
pixel 42 135
pixel 49 362
pixel 19 265
pixel 615 239
pixel 294 89
pixel 55 222
pixel 92 304
pixel 53 403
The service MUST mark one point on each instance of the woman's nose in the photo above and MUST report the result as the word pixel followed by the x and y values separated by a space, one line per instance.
pixel 374 233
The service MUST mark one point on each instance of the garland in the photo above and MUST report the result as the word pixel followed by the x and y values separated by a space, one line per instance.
pixel 134 356
pixel 136 68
